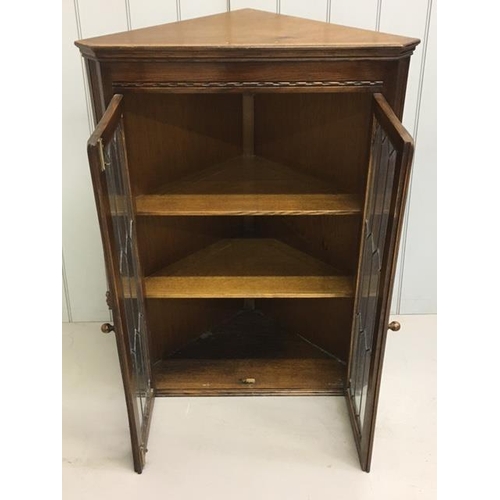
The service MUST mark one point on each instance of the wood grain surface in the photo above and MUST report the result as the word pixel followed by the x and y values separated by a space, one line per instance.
pixel 191 377
pixel 222 34
pixel 248 268
pixel 248 185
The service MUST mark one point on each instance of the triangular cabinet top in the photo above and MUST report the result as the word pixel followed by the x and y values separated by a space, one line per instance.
pixel 248 33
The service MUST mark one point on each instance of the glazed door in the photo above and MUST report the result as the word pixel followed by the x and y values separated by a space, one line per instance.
pixel 108 164
pixel 390 161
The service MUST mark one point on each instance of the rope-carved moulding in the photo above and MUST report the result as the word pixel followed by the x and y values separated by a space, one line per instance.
pixel 346 83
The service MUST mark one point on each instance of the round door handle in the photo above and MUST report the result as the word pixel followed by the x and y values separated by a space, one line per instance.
pixel 107 328
pixel 394 326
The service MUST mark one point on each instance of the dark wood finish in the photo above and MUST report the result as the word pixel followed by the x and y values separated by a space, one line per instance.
pixel 175 135
pixel 403 166
pixel 395 86
pixel 249 355
pixel 102 134
pixel 248 166
pixel 386 76
pixel 106 127
pixel 248 175
pixel 165 240
pixel 331 318
pixel 276 377
pixel 248 124
pixel 330 135
pixel 249 334
pixel 248 268
pixel 248 185
pixel 403 144
pixel 334 240
pixel 226 86
pixel 174 323
pixel 256 75
pixel 93 73
pixel 398 135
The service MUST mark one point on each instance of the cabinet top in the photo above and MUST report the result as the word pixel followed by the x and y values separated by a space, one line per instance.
pixel 246 34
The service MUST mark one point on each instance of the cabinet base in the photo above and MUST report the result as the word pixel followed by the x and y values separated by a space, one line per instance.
pixel 268 377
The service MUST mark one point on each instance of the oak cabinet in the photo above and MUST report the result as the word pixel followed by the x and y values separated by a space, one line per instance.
pixel 250 173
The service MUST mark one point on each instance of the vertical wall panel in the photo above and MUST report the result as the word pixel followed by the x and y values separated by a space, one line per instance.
pixel 409 19
pixel 81 240
pixel 65 315
pixel 356 13
pixel 311 10
pixel 145 13
pixel 269 5
pixel 66 306
pixel 199 8
pixel 418 291
pixel 101 18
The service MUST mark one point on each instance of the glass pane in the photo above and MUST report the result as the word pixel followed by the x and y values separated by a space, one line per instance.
pixel 133 303
pixel 358 388
pixel 376 220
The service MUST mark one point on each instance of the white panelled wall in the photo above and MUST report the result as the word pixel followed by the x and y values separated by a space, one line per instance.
pixel 84 283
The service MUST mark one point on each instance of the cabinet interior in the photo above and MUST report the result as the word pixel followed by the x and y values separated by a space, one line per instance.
pixel 248 219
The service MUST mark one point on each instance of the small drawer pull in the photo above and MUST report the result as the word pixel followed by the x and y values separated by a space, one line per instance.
pixel 395 326
pixel 247 380
pixel 107 328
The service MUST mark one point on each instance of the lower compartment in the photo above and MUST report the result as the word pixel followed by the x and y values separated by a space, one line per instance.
pixel 229 377
pixel 251 354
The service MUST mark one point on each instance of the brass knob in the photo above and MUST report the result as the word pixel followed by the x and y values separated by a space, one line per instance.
pixel 107 328
pixel 249 380
pixel 395 326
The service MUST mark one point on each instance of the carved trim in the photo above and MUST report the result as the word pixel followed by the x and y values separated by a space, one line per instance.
pixel 346 83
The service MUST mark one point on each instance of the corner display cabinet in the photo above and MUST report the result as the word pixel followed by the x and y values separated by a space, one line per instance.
pixel 250 172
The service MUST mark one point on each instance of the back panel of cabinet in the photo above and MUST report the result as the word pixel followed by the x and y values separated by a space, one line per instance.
pixel 248 219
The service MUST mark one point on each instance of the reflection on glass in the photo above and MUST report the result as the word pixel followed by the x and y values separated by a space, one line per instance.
pixel 376 221
pixel 133 303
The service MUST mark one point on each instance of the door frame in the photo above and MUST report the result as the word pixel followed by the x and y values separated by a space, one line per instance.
pixel 102 135
pixel 404 145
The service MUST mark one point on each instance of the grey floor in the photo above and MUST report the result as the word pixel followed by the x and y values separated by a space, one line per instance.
pixel 249 448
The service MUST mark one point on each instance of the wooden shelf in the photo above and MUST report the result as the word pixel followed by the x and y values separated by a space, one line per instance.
pixel 248 185
pixel 248 268
pixel 250 345
pixel 222 377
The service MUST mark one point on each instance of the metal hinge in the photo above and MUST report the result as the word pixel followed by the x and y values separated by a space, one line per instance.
pixel 102 159
pixel 109 300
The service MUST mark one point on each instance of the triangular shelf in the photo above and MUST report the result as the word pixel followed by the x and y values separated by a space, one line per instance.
pixel 248 185
pixel 248 268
